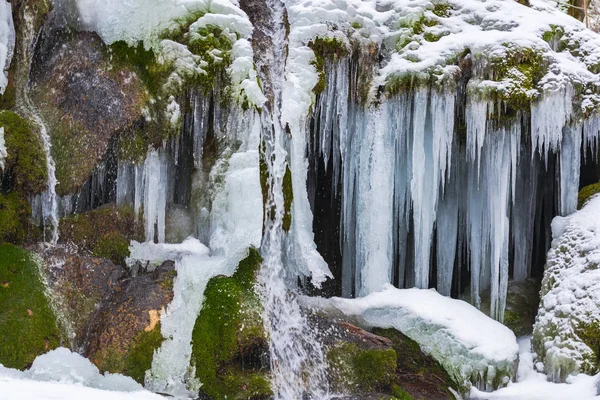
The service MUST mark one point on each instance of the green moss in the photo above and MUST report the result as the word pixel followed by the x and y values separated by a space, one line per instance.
pixel 15 223
pixel 400 394
pixel 135 359
pixel 430 37
pixel 228 337
pixel 326 49
pixel 288 199
pixel 589 333
pixel 442 9
pixel 587 192
pixel 143 61
pixel 26 160
pixel 554 35
pixel 113 246
pixel 520 69
pixel 8 99
pixel 356 25
pixel 133 147
pixel 28 326
pixel 356 369
pixel 104 232
pixel 139 357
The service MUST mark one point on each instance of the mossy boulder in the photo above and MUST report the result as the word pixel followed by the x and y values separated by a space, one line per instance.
pixel 382 363
pixel 586 193
pixel 25 167
pixel 28 325
pixel 229 345
pixel 92 102
pixel 104 232
pixel 124 332
pixel 80 283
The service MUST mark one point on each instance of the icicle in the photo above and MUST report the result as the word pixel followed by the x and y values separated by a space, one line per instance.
pixel 154 195
pixel 548 117
pixel 375 207
pixel 570 157
pixel 476 119
pixel 433 129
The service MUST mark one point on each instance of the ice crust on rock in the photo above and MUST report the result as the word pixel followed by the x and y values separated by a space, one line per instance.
pixel 570 295
pixel 471 346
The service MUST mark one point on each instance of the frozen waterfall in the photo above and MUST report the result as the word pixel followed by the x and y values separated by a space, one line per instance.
pixel 421 198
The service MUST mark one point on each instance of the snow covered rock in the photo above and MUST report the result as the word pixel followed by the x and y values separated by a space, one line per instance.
pixel 566 334
pixel 473 348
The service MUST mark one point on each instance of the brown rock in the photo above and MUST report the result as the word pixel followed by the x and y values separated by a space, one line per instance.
pixel 134 308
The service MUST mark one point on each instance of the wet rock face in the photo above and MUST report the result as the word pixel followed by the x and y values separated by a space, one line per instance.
pixel 84 99
pixel 125 330
pixel 80 283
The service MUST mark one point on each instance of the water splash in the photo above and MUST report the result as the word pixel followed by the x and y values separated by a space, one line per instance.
pixel 297 361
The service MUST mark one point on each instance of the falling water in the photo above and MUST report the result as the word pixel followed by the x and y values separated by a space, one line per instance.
pixel 297 360
pixel 48 201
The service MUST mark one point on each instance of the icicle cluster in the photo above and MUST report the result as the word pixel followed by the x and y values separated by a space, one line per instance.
pixel 422 198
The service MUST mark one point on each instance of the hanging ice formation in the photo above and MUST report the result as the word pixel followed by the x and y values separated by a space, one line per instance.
pixel 421 198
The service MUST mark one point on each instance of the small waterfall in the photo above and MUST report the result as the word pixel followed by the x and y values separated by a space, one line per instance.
pixel 47 202
pixel 297 360
pixel 44 206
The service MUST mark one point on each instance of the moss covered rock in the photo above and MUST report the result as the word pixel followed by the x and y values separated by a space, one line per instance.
pixel 229 346
pixel 92 102
pixel 28 325
pixel 357 369
pixel 79 284
pixel 25 167
pixel 104 232
pixel 125 330
pixel 382 364
pixel 586 193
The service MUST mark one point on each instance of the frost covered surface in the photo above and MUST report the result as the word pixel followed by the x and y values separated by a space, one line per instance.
pixel 570 302
pixel 471 346
pixel 66 375
pixel 532 385
pixel 7 42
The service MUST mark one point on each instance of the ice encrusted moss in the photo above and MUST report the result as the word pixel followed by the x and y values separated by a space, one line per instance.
pixel 566 335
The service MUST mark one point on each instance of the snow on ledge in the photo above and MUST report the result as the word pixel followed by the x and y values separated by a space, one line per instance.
pixel 472 347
